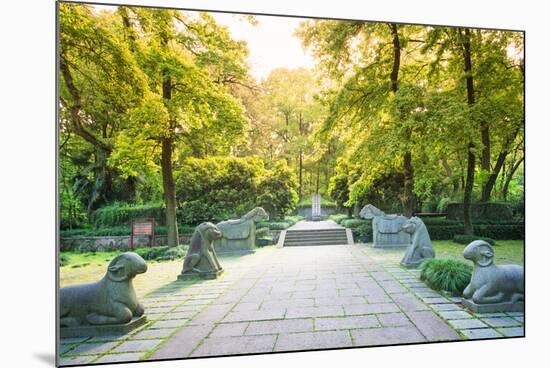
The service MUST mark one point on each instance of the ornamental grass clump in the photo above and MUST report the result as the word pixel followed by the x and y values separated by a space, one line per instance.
pixel 446 274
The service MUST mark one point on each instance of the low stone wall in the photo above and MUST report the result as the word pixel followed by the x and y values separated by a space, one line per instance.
pixel 120 243
pixel 104 243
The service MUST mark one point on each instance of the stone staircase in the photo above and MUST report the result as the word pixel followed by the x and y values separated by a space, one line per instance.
pixel 333 236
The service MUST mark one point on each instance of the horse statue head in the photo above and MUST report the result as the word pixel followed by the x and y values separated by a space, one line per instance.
pixel 257 214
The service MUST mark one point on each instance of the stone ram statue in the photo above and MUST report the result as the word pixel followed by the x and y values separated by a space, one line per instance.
pixel 240 235
pixel 420 247
pixel 111 300
pixel 492 284
pixel 201 259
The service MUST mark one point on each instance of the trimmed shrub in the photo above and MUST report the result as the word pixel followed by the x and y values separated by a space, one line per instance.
pixel 119 214
pixel 262 232
pixel 365 229
pixel 442 204
pixel 279 225
pixel 487 211
pixel 446 274
pixel 353 223
pixel 338 218
pixel 63 260
pixel 163 253
pixel 467 239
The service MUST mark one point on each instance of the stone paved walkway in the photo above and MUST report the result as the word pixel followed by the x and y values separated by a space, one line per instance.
pixel 295 298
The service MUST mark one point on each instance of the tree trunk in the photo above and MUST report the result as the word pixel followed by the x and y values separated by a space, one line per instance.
pixel 169 192
pixel 407 199
pixel 449 173
pixel 486 150
pixel 509 178
pixel 468 189
pixel 407 196
pixel 470 171
pixel 300 176
pixel 488 186
pixel 317 183
pixel 168 186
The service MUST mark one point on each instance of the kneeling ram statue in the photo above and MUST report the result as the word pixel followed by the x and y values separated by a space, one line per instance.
pixel 111 300
pixel 490 283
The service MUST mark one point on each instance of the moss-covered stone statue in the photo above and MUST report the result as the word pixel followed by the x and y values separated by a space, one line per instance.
pixel 420 247
pixel 109 301
pixel 240 235
pixel 201 259
pixel 492 288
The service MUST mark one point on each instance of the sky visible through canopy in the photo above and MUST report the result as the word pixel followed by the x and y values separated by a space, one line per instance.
pixel 271 42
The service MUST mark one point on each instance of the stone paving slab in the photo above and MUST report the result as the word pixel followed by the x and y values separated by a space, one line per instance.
pixel 288 299
pixel 214 346
pixel 387 336
pixel 337 323
pixel 512 331
pixel 432 327
pixel 393 319
pixel 481 333
pixel 280 326
pixel 313 340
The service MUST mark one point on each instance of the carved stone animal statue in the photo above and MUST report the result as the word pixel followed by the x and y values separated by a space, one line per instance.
pixel 111 300
pixel 492 284
pixel 240 234
pixel 420 247
pixel 201 257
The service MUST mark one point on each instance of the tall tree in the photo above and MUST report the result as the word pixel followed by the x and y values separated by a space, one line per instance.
pixel 367 68
pixel 92 57
pixel 189 63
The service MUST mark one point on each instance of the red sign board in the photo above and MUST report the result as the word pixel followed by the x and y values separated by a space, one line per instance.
pixel 143 227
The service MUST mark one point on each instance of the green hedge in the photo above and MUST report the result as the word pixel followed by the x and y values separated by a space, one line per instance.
pixel 163 253
pixel 493 231
pixel 489 210
pixel 442 229
pixel 119 214
pixel 338 217
pixel 279 225
pixel 467 239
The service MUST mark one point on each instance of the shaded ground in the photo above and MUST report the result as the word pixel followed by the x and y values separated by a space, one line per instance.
pixel 284 299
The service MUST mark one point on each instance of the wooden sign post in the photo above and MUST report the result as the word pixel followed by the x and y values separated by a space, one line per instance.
pixel 143 227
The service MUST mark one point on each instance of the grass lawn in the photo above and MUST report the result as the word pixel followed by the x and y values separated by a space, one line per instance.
pixel 86 267
pixel 506 251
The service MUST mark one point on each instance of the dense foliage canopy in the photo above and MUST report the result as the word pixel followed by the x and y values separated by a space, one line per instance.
pixel 158 106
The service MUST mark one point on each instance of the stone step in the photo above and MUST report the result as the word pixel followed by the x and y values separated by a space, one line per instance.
pixel 313 240
pixel 313 237
pixel 315 233
pixel 317 243
pixel 308 236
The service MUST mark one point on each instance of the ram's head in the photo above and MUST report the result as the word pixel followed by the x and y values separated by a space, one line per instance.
pixel 126 266
pixel 480 252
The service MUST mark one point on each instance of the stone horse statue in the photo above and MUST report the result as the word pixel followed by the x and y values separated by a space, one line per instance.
pixel 421 244
pixel 240 235
pixel 386 229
